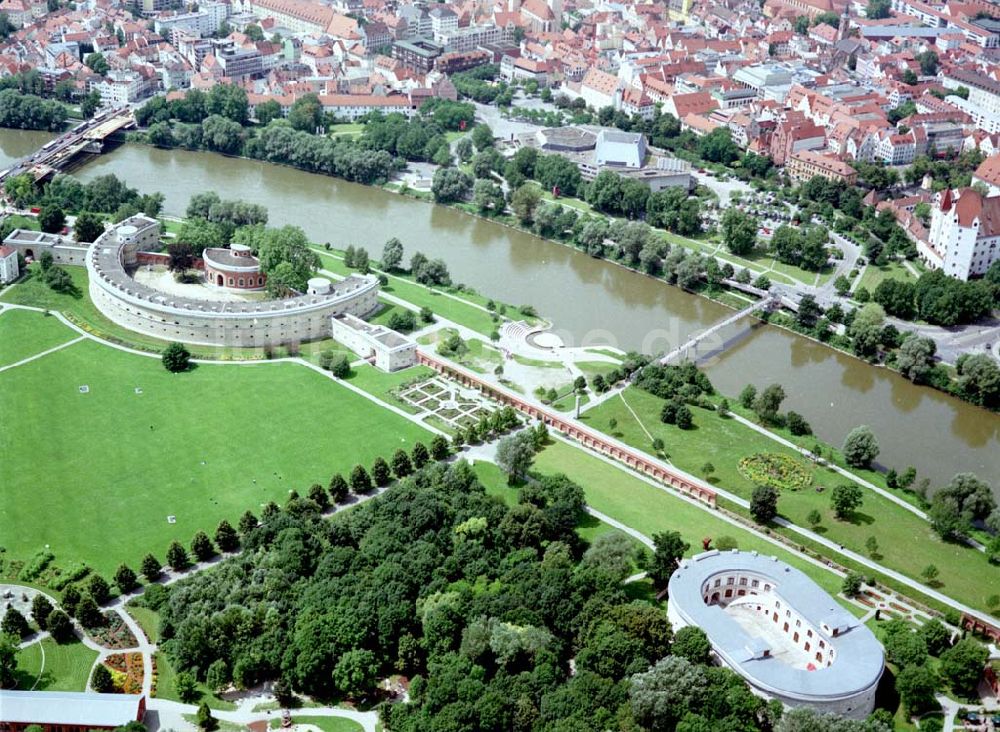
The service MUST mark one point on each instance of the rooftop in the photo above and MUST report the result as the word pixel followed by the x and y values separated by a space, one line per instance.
pixel 859 658
pixel 230 259
pixel 69 708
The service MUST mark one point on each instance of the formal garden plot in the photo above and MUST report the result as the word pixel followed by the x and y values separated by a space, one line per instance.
pixel 455 406
pixel 779 471
pixel 114 633
pixel 126 672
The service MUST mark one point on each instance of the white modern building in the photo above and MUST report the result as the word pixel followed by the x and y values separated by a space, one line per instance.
pixel 595 149
pixel 386 348
pixel 779 630
pixel 964 236
pixel 983 104
pixel 616 148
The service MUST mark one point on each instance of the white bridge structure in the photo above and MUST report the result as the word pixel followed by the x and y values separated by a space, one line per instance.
pixel 767 302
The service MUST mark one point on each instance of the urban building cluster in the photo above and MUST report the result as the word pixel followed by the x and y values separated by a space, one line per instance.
pixel 818 86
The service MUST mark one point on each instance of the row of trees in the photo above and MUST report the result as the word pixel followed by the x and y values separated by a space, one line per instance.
pixel 105 194
pixel 30 112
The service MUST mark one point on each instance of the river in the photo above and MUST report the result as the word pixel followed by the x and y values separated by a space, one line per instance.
pixel 590 301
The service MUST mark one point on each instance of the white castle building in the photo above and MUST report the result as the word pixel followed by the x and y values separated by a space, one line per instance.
pixel 964 236
pixel 779 630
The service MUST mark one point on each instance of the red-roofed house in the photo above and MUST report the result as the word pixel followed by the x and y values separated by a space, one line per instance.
pixel 988 173
pixel 681 105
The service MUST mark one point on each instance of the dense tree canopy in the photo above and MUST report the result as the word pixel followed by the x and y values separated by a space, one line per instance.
pixel 480 604
pixel 29 112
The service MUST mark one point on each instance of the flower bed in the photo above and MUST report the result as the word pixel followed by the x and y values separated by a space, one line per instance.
pixel 114 633
pixel 126 672
pixel 780 471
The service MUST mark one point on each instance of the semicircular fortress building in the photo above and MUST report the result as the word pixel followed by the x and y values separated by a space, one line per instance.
pixel 779 630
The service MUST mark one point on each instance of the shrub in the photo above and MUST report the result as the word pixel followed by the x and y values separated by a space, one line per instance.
pixel 774 469
pixel 176 358
pixel 35 566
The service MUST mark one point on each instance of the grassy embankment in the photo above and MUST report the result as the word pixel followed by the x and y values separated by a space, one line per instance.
pixel 905 541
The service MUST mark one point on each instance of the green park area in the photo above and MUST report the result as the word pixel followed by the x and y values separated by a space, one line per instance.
pixel 650 509
pixel 51 666
pixel 166 686
pixel 26 333
pixel 873 274
pixel 77 306
pixel 464 308
pixel 143 456
pixel 903 540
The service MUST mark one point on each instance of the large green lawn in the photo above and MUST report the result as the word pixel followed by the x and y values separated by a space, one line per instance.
pixel 96 475
pixel 25 333
pixel 905 541
pixel 50 666
pixel 650 510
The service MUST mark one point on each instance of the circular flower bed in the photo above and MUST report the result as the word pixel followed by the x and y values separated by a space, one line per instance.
pixel 780 471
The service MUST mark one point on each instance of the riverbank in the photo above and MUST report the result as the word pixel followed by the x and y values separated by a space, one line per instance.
pixel 589 303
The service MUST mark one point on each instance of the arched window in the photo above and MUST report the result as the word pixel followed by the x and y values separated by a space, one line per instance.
pixel 241 282
pixel 230 281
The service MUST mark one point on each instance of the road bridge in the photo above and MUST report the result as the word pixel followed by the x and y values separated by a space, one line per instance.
pixel 88 136
pixel 767 302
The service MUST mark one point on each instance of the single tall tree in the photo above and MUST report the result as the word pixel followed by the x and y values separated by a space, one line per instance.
pixel 764 503
pixel 668 550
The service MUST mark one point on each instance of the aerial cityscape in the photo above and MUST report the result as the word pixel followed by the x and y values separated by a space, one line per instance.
pixel 512 366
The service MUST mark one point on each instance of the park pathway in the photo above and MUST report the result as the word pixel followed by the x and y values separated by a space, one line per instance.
pixel 29 359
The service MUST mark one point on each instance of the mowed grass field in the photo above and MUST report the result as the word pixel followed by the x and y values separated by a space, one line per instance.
pixel 24 333
pixel 50 666
pixel 96 475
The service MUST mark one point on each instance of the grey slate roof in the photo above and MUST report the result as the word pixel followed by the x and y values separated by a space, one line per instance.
pixel 859 658
pixel 64 707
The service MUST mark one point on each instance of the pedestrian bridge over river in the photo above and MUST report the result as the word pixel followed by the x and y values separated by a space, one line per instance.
pixel 767 302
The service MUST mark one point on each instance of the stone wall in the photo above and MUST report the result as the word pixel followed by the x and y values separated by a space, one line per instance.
pixel 239 330
pixel 138 307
